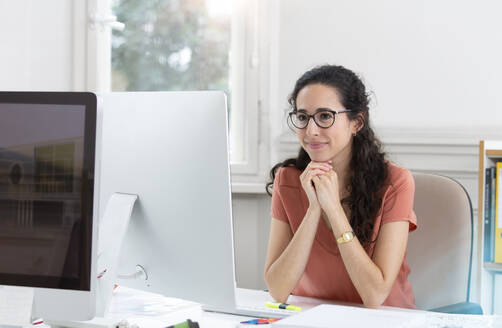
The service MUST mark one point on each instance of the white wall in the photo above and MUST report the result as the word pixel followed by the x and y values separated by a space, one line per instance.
pixel 251 225
pixel 430 63
pixel 36 45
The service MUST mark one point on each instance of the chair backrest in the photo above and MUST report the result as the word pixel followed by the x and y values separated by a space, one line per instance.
pixel 440 250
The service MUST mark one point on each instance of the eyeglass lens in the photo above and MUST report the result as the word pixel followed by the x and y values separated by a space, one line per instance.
pixel 323 119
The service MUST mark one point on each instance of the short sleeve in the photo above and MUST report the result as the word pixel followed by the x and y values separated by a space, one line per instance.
pixel 277 209
pixel 398 200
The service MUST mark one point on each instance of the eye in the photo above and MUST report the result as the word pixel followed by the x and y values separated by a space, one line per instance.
pixel 301 117
pixel 325 116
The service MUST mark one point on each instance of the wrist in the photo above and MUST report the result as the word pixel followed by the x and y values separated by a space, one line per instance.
pixel 314 209
pixel 335 211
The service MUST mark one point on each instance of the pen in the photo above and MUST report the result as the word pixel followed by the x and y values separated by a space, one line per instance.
pixel 283 306
pixel 260 321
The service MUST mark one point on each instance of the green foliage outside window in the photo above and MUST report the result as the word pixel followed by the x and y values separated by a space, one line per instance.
pixel 170 45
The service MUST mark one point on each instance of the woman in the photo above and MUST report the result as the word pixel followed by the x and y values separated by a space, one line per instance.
pixel 341 213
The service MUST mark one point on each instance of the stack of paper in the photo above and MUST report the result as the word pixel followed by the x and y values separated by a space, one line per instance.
pixel 328 316
pixel 15 306
pixel 149 309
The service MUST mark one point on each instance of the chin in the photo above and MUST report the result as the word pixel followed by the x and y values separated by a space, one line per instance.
pixel 319 157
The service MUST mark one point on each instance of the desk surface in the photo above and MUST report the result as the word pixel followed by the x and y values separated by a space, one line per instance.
pixel 152 311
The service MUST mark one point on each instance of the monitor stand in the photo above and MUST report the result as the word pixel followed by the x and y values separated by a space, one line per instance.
pixel 112 230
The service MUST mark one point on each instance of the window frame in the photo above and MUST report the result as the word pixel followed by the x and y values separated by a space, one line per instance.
pixel 244 81
pixel 249 78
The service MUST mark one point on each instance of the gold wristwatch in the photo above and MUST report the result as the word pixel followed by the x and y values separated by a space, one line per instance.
pixel 345 237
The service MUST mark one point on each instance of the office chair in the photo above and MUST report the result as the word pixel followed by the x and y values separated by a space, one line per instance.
pixel 440 250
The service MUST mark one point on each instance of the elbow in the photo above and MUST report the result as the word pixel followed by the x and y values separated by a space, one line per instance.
pixel 375 298
pixel 372 303
pixel 278 297
pixel 274 291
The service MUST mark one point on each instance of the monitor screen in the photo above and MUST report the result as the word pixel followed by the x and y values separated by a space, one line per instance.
pixel 46 189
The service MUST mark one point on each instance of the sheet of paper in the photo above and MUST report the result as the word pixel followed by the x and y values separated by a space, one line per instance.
pixel 15 306
pixel 327 316
pixel 149 309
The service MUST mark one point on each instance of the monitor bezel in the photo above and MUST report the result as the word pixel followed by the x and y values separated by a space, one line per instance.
pixel 89 101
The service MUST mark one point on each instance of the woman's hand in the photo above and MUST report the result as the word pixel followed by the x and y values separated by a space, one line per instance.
pixel 327 191
pixel 312 170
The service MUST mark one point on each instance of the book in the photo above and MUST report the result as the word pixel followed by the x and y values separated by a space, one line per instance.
pixel 492 212
pixel 487 251
pixel 498 215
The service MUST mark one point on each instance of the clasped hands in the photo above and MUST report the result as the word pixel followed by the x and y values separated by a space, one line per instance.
pixel 320 183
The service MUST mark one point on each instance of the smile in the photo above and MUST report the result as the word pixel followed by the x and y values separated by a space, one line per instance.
pixel 316 145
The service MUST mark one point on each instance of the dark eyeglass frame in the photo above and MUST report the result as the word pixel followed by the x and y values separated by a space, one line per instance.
pixel 322 110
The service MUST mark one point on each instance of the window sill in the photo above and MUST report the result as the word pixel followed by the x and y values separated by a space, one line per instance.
pixel 248 188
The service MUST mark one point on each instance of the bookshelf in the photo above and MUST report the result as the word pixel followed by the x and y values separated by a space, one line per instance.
pixel 490 152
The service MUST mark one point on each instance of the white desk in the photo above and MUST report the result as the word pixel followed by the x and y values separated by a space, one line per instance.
pixel 148 312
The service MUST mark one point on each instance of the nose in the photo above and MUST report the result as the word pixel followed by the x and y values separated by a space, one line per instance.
pixel 312 129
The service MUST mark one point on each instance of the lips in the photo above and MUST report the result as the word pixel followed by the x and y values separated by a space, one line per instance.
pixel 316 145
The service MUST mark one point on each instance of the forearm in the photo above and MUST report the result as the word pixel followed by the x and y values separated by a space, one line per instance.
pixel 366 276
pixel 283 275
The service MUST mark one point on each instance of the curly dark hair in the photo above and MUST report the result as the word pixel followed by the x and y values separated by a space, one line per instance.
pixel 368 163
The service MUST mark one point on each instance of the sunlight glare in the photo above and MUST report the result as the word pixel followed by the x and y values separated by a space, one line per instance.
pixel 218 8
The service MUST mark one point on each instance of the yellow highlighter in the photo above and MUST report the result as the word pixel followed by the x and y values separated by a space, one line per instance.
pixel 283 306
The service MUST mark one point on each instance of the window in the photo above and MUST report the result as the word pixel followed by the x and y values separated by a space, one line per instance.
pixel 54 168
pixel 218 49
pixel 191 45
pixel 171 45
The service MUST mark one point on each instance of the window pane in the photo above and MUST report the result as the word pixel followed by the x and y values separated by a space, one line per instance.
pixel 171 45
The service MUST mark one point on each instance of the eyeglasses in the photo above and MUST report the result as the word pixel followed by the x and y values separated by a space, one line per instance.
pixel 324 118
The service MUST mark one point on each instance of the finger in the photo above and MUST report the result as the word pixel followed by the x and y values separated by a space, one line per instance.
pixel 326 180
pixel 315 172
pixel 323 179
pixel 309 181
pixel 331 174
pixel 322 163
pixel 322 166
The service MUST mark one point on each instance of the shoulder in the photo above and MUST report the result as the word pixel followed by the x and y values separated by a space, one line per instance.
pixel 399 180
pixel 288 176
pixel 399 177
pixel 397 202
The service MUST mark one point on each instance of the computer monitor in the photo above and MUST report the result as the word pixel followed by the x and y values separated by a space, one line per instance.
pixel 171 149
pixel 48 200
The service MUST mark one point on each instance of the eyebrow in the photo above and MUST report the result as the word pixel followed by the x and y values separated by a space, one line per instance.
pixel 320 109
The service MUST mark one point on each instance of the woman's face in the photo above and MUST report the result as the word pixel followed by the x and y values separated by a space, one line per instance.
pixel 330 143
